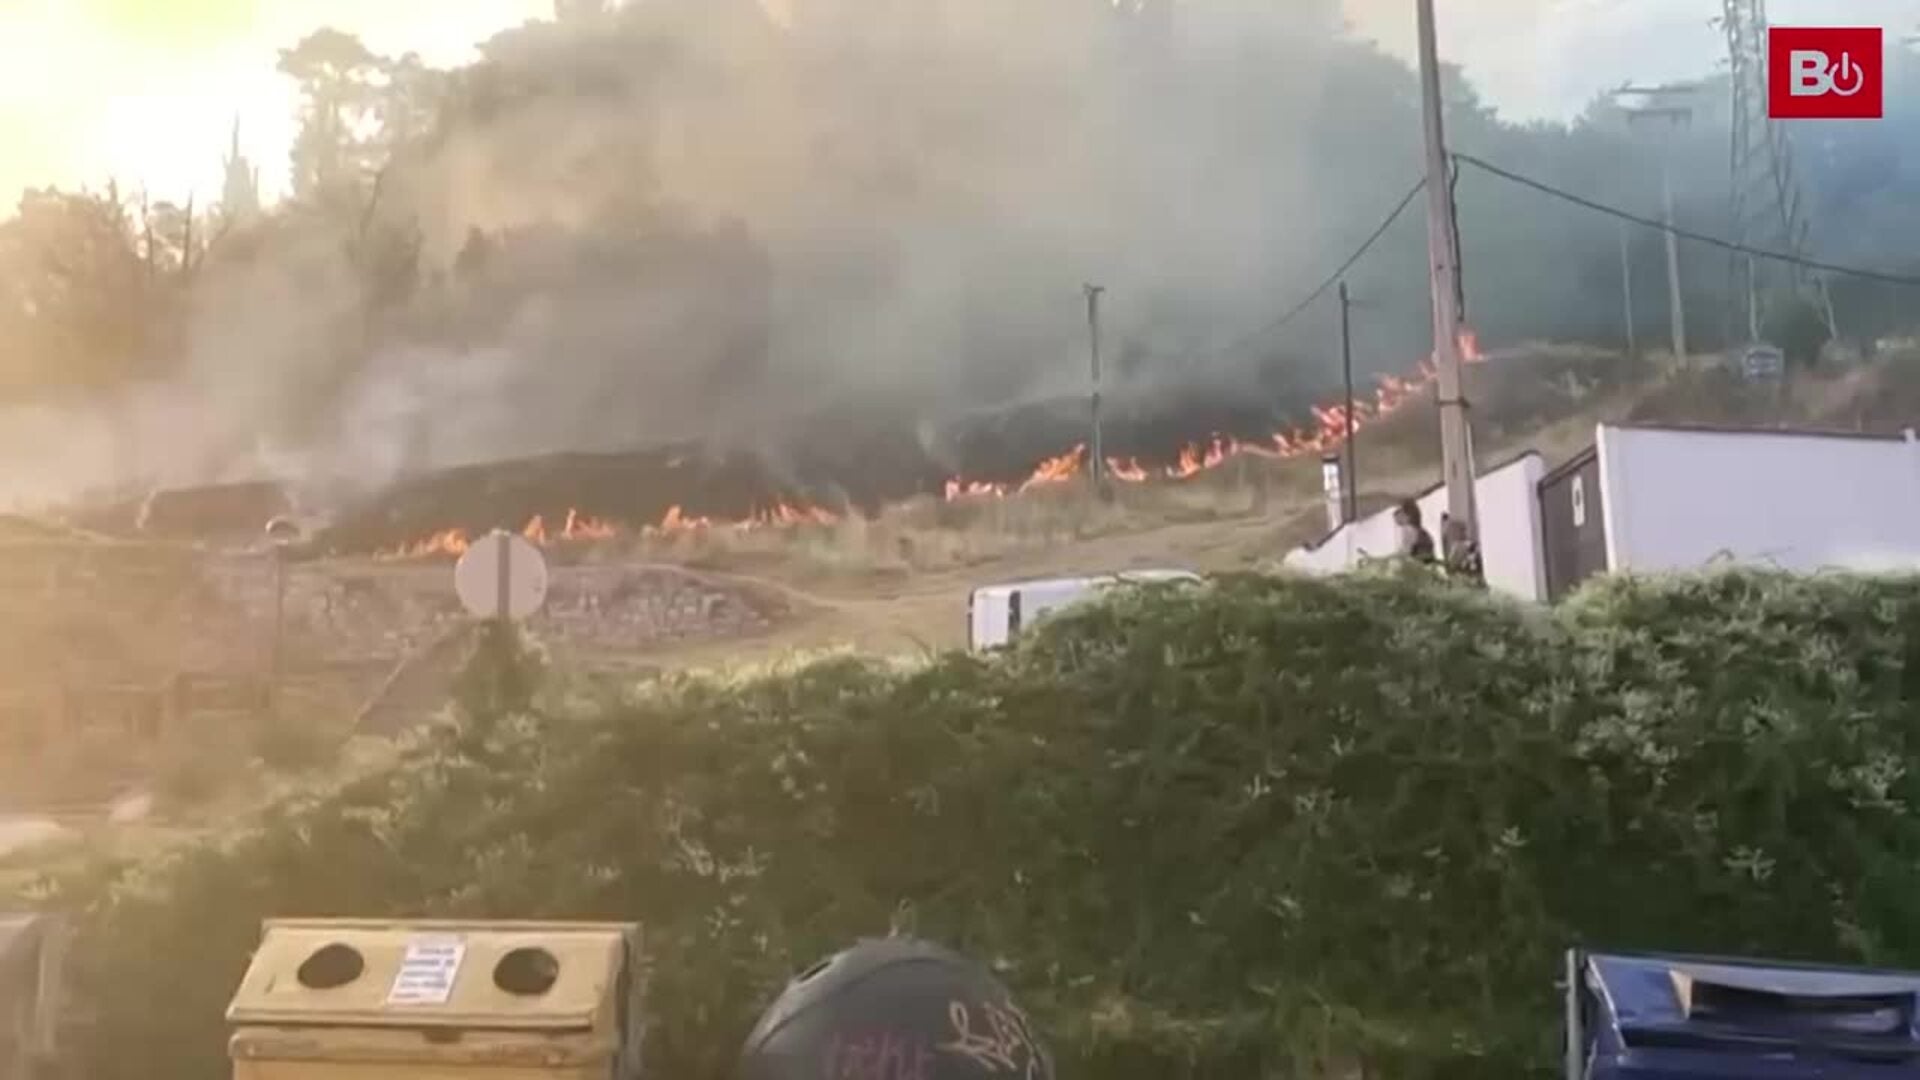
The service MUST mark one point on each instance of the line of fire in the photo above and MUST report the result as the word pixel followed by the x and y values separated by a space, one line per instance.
pixel 582 525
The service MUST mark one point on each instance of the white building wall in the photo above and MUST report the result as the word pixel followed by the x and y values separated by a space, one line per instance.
pixel 1678 499
pixel 1510 547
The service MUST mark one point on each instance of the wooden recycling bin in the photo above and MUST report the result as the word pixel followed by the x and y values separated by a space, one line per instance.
pixel 32 955
pixel 357 999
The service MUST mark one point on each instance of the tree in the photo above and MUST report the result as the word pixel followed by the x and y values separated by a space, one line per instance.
pixel 240 192
pixel 358 112
pixel 171 244
pixel 340 89
pixel 1796 325
pixel 90 295
pixel 409 107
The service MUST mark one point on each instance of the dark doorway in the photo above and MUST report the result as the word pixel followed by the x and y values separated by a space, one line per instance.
pixel 1573 524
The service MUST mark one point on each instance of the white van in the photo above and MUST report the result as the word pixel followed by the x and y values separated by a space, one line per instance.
pixel 997 613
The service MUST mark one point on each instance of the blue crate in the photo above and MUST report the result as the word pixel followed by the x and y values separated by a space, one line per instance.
pixel 1669 1017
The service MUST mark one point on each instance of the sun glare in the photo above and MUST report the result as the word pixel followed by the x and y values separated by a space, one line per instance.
pixel 99 90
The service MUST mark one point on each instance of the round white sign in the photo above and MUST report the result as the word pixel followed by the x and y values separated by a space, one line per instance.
pixel 501 574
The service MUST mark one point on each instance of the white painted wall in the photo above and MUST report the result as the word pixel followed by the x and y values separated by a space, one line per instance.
pixel 1677 499
pixel 1510 544
pixel 990 607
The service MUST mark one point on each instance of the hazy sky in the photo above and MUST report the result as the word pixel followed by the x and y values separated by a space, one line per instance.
pixel 1547 58
pixel 146 90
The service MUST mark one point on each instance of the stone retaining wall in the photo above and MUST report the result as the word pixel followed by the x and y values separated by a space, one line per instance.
pixel 95 637
pixel 616 609
pixel 215 613
pixel 344 611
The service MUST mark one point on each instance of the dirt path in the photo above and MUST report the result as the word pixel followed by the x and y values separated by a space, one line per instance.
pixel 928 611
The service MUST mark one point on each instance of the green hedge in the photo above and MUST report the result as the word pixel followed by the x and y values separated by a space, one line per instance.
pixel 1269 827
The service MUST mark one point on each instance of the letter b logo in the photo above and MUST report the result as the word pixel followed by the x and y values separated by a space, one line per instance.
pixel 1824 73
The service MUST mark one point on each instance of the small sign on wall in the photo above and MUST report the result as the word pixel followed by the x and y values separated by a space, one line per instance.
pixel 1330 482
pixel 1579 501
pixel 1762 363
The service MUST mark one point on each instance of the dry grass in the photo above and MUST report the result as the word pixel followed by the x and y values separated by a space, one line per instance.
pixel 1516 395
pixel 1880 395
pixel 929 534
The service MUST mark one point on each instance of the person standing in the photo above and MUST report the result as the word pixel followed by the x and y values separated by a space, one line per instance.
pixel 1461 555
pixel 1413 541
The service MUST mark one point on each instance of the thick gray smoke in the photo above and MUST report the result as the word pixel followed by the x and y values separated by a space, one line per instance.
pixel 930 185
pixel 681 219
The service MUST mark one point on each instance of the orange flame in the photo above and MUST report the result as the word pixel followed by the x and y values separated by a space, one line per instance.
pixel 1056 469
pixel 580 527
pixel 1390 394
pixel 444 542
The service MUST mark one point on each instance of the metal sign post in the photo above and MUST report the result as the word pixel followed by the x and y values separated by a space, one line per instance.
pixel 503 591
pixel 501 577
pixel 281 533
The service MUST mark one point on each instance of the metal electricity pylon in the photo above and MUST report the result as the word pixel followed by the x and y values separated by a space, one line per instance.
pixel 1767 210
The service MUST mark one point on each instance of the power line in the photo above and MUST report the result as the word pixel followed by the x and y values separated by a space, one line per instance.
pixel 1321 289
pixel 1711 241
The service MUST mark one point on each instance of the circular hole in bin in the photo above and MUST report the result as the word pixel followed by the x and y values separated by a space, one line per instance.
pixel 526 971
pixel 330 967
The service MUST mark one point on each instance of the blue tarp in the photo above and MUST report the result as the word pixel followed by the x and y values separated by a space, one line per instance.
pixel 1651 1017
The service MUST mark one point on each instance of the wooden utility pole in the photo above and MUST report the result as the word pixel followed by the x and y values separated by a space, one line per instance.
pixel 1753 303
pixel 1676 305
pixel 1626 289
pixel 1350 503
pixel 1668 105
pixel 1443 248
pixel 1097 452
pixel 1826 307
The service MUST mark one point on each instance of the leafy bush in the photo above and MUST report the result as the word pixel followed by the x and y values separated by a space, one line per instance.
pixel 1267 827
pixel 291 747
pixel 1798 326
pixel 189 781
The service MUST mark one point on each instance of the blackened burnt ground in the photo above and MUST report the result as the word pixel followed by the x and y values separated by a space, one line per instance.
pixel 842 464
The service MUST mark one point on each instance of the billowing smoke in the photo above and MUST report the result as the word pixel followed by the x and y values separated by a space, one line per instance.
pixel 685 220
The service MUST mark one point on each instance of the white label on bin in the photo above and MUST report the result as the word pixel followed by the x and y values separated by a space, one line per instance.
pixel 427 971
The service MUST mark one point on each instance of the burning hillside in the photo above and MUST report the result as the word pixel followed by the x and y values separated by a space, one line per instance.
pixel 664 491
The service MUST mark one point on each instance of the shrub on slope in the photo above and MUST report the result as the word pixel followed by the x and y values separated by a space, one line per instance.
pixel 1751 745
pixel 1252 829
